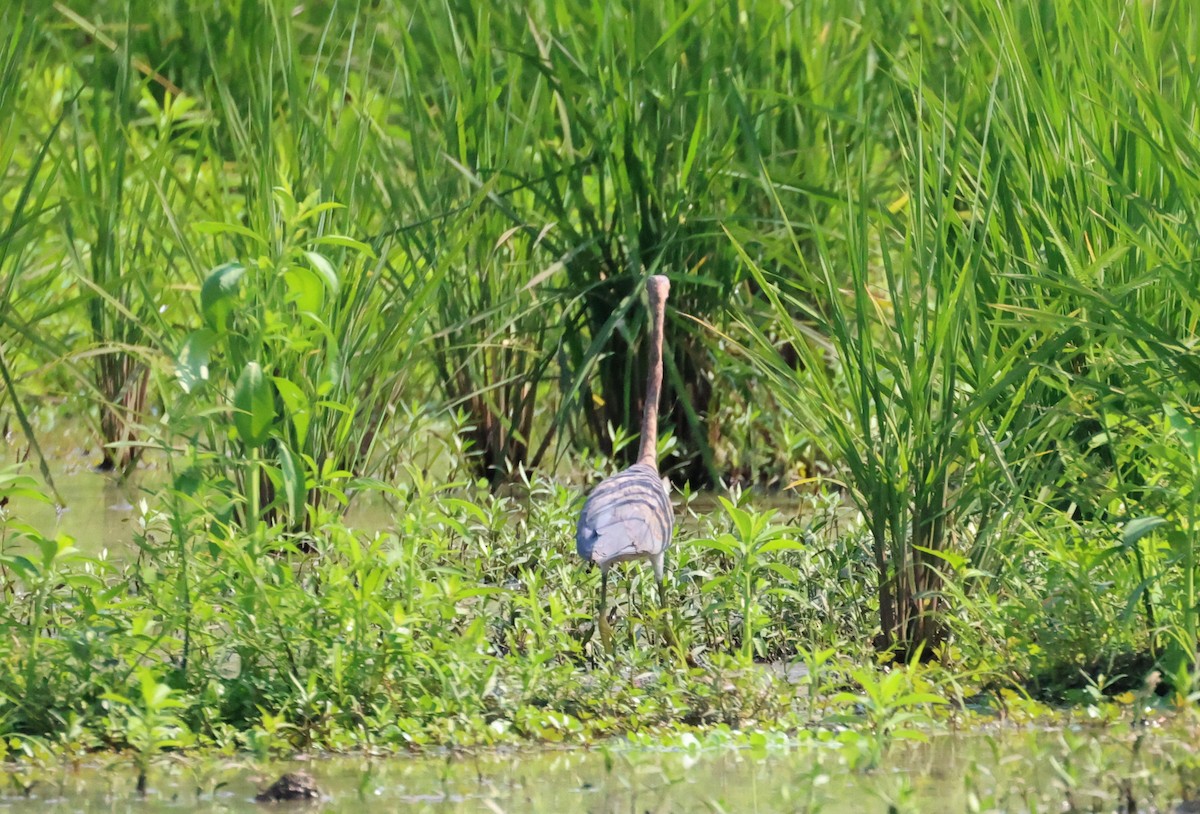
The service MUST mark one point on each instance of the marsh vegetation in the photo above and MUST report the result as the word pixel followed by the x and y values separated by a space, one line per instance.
pixel 931 340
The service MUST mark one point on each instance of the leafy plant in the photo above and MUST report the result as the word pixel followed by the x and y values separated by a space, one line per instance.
pixel 26 204
pixel 149 723
pixel 281 351
pixel 890 706
pixel 748 548
pixel 1171 572
pixel 31 580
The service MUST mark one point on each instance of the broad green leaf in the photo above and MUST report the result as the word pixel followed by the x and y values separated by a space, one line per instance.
pixel 335 369
pixel 785 572
pixel 1139 527
pixel 218 292
pixel 781 544
pixel 254 405
pixel 191 366
pixel 915 698
pixel 189 480
pixel 955 560
pixel 20 563
pixel 325 271
pixel 336 406
pixel 294 487
pixel 54 549
pixel 297 405
pixel 287 204
pixel 15 485
pixel 306 212
pixel 714 585
pixel 1185 429
pixel 305 288
pixel 724 544
pixel 467 507
pixel 343 242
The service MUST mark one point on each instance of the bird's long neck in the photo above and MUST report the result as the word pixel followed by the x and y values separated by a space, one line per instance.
pixel 648 454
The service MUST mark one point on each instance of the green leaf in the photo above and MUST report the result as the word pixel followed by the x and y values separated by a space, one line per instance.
pixel 325 271
pixel 343 242
pixel 218 292
pixel 690 157
pixel 189 480
pixel 723 545
pixel 915 698
pixel 781 544
pixel 308 212
pixel 955 560
pixel 212 227
pixel 191 365
pixel 20 563
pixel 54 549
pixel 335 368
pixel 254 405
pixel 785 572
pixel 743 521
pixel 305 288
pixel 15 485
pixel 287 203
pixel 1138 528
pixel 1184 429
pixel 294 488
pixel 467 507
pixel 297 405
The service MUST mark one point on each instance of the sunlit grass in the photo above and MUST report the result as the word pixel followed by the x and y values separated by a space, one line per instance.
pixel 938 259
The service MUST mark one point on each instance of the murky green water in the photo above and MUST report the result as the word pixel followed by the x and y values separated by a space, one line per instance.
pixel 1029 771
pixel 731 780
pixel 102 513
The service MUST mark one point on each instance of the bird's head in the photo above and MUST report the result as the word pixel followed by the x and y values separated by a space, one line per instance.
pixel 657 287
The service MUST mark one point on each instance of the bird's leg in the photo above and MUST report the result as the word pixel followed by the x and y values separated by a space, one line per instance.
pixel 602 618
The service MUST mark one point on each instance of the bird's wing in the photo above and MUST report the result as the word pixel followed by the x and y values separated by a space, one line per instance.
pixel 627 516
pixel 620 535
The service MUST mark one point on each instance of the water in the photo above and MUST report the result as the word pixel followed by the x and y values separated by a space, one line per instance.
pixel 101 512
pixel 567 780
pixel 1012 771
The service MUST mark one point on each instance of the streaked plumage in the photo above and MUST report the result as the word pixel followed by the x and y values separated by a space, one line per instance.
pixel 628 516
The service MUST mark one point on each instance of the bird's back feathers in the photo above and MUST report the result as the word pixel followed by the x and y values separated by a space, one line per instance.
pixel 627 516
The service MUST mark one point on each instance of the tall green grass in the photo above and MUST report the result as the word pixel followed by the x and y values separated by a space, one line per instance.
pixel 27 177
pixel 1005 315
pixel 531 167
pixel 956 242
